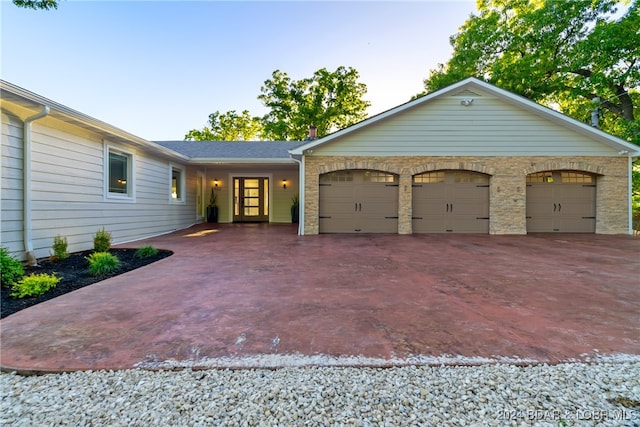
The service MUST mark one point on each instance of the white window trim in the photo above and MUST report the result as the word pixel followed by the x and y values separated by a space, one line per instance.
pixel 182 184
pixel 130 197
pixel 201 177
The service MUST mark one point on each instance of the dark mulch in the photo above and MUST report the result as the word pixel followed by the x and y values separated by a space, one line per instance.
pixel 74 274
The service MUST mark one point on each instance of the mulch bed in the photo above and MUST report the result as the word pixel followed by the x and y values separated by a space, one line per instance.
pixel 74 274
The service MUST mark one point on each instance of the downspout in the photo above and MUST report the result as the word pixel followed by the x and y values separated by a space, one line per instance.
pixel 26 184
pixel 630 188
pixel 300 194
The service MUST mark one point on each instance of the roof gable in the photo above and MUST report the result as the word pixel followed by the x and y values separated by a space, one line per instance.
pixel 468 102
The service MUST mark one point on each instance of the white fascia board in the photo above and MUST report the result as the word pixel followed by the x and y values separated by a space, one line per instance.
pixel 87 122
pixel 236 161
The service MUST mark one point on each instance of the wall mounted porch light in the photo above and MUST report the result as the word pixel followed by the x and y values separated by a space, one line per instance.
pixel 216 184
pixel 284 183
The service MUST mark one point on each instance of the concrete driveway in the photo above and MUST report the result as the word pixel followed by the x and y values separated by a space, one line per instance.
pixel 259 295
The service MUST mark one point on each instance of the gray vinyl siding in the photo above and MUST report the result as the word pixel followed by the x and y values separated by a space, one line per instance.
pixel 490 126
pixel 11 184
pixel 68 196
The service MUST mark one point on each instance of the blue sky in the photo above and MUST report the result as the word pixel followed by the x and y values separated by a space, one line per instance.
pixel 158 68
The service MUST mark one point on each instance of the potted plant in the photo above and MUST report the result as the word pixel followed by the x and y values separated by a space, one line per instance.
pixel 212 209
pixel 295 209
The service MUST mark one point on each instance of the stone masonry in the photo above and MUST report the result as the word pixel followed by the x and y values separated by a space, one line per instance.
pixel 507 195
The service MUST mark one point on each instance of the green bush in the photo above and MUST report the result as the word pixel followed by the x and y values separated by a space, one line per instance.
pixel 59 247
pixel 11 270
pixel 101 263
pixel 102 241
pixel 34 285
pixel 146 252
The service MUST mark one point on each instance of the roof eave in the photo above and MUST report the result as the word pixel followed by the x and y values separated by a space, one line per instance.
pixel 239 160
pixel 563 119
pixel 61 111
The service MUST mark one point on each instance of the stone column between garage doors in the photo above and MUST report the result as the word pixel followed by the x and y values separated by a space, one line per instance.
pixel 507 201
pixel 405 203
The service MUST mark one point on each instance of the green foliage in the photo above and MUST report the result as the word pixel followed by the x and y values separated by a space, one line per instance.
pixel 101 263
pixel 295 201
pixel 59 247
pixel 37 4
pixel 573 55
pixel 102 241
pixel 213 198
pixel 327 100
pixel 229 126
pixel 11 270
pixel 34 285
pixel 146 252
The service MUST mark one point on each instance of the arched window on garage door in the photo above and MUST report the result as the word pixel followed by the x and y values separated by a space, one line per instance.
pixel 561 202
pixel 450 201
pixel 358 201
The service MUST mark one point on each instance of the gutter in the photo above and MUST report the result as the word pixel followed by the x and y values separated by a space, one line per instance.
pixel 26 184
pixel 301 174
pixel 631 158
pixel 240 160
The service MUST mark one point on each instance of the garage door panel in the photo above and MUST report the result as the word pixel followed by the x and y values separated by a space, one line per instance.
pixel 336 224
pixel 366 201
pixel 470 224
pixel 429 200
pixel 458 202
pixel 539 200
pixel 473 201
pixel 560 201
pixel 575 225
pixel 577 200
pixel 377 225
pixel 430 224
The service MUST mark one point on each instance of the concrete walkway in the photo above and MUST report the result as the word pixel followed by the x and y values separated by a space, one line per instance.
pixel 233 294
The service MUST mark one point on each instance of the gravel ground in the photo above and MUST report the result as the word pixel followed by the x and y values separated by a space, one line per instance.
pixel 570 394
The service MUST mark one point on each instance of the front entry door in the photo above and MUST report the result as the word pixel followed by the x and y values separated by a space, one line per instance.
pixel 250 199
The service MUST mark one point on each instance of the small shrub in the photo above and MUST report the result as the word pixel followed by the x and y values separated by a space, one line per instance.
pixel 11 270
pixel 101 263
pixel 59 247
pixel 146 252
pixel 34 285
pixel 102 241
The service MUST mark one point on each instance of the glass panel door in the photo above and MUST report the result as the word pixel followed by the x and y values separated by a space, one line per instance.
pixel 251 197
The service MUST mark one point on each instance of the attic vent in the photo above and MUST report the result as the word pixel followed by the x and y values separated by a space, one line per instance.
pixel 466 93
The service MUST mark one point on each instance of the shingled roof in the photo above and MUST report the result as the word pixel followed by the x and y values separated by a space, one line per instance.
pixel 233 151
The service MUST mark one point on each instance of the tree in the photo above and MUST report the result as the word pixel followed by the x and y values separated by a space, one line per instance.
pixel 37 4
pixel 228 126
pixel 328 100
pixel 570 55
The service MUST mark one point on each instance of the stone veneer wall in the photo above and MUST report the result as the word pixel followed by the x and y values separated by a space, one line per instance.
pixel 507 196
